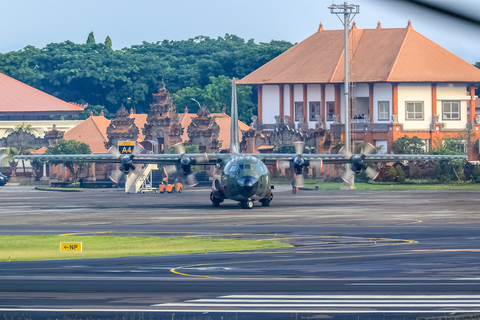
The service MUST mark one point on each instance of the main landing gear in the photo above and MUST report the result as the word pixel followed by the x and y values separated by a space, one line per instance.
pixel 266 201
pixel 215 201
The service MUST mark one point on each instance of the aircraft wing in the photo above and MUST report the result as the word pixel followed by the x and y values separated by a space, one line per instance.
pixel 272 158
pixel 71 157
pixel 165 159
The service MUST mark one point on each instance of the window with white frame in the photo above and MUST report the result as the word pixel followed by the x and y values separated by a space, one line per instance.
pixel 314 108
pixel 426 145
pixel 451 110
pixel 414 110
pixel 383 110
pixel 298 110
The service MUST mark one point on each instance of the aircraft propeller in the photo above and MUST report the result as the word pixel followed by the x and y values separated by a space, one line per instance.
pixel 358 163
pixel 126 163
pixel 185 165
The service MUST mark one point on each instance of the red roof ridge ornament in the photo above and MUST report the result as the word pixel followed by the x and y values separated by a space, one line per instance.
pixel 91 113
pixel 131 111
pixel 186 110
pixel 379 25
pixel 320 27
pixel 409 25
pixel 354 25
pixel 102 114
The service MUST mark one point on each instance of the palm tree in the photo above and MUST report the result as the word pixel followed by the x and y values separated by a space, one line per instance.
pixel 24 126
pixel 9 153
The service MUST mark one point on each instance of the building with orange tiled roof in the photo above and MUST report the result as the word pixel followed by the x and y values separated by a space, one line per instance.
pixel 92 131
pixel 402 84
pixel 19 101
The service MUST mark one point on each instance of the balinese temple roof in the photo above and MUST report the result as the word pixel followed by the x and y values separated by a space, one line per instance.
pixel 93 131
pixel 379 55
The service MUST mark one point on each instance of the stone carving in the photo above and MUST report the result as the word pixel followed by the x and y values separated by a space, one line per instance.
pixel 253 125
pixel 22 139
pixel 204 131
pixel 53 135
pixel 286 119
pixel 395 118
pixel 477 118
pixel 302 125
pixel 285 136
pixel 319 125
pixel 163 123
pixel 367 119
pixel 336 119
pixel 122 128
pixel 435 118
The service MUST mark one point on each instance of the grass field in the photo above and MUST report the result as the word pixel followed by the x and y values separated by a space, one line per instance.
pixel 47 247
pixel 310 183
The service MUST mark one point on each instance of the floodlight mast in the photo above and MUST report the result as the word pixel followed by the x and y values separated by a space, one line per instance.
pixel 348 11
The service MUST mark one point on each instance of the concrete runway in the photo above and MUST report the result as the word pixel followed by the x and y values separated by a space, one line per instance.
pixel 356 253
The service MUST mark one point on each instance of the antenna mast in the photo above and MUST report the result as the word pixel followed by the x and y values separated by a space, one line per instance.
pixel 348 11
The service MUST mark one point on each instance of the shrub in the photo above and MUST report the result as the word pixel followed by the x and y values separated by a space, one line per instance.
pixel 400 173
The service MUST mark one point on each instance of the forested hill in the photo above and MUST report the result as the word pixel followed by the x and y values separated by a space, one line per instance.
pixel 93 73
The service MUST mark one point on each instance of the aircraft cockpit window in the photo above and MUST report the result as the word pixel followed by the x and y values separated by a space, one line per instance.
pixel 247 166
pixel 234 167
pixel 241 167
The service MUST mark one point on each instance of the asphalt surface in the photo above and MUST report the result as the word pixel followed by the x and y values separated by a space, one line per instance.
pixel 366 254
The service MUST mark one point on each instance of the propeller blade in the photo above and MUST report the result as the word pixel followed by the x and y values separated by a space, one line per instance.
pixel 116 176
pixel 170 170
pixel 317 164
pixel 372 173
pixel 345 152
pixel 180 148
pixel 191 180
pixel 299 146
pixel 368 148
pixel 137 149
pixel 348 176
pixel 114 151
pixel 283 164
pixel 299 180
pixel 201 158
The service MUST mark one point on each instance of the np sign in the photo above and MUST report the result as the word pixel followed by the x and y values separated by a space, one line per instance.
pixel 70 247
pixel 126 147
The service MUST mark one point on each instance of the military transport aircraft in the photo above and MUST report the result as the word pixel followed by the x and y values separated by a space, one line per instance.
pixel 245 177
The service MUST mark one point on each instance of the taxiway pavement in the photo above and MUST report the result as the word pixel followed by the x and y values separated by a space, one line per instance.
pixel 367 253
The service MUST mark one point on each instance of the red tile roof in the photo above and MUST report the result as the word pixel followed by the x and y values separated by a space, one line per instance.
pixel 92 131
pixel 391 55
pixel 16 96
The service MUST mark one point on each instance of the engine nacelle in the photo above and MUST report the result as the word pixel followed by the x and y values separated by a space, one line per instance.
pixel 358 165
pixel 186 165
pixel 298 164
pixel 126 164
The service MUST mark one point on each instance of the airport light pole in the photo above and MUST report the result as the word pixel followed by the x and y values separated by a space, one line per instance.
pixel 199 105
pixel 348 11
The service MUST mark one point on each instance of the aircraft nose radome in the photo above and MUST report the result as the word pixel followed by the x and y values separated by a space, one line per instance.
pixel 248 186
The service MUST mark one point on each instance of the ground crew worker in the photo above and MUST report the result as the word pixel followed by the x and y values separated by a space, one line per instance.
pixel 164 180
pixel 294 189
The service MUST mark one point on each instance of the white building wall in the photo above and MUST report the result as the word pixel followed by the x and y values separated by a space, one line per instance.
pixel 286 100
pixel 381 92
pixel 415 92
pixel 360 90
pixel 453 92
pixel 313 94
pixel 329 96
pixel 270 103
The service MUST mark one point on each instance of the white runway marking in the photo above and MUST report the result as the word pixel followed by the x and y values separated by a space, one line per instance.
pixel 328 304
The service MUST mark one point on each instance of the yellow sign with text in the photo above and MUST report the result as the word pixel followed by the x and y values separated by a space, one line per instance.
pixel 70 247
pixel 126 147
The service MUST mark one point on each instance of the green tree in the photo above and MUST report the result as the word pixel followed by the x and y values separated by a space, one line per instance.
pixel 9 153
pixel 96 110
pixel 91 38
pixel 406 145
pixel 216 95
pixel 70 147
pixel 400 174
pixel 108 43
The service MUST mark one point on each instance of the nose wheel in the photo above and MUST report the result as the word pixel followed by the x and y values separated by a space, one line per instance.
pixel 246 204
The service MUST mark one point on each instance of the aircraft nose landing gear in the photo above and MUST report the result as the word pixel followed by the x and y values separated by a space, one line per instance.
pixel 246 204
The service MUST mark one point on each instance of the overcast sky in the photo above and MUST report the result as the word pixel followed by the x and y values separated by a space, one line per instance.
pixel 128 22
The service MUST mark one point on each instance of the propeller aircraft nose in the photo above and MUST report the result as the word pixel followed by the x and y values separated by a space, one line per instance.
pixel 247 186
